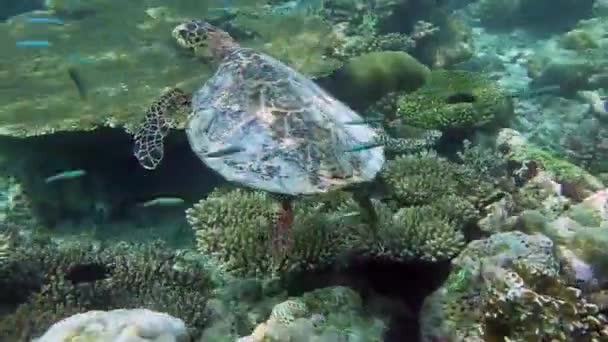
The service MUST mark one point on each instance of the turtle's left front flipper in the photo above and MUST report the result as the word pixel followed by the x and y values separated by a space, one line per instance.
pixel 149 137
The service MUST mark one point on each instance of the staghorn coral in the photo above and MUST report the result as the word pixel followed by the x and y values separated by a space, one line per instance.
pixel 508 287
pixel 452 100
pixel 51 281
pixel 427 232
pixel 234 228
pixel 421 178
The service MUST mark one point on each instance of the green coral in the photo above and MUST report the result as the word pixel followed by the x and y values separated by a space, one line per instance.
pixel 427 232
pixel 422 178
pixel 455 100
pixel 235 228
pixel 366 78
pixel 563 170
pixel 46 280
pixel 578 40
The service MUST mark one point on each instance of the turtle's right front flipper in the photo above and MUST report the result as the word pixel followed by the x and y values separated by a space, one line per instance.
pixel 149 137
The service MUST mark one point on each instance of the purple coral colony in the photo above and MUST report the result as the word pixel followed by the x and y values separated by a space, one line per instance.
pixel 304 171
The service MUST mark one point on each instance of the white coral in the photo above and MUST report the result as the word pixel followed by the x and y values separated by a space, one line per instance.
pixel 123 325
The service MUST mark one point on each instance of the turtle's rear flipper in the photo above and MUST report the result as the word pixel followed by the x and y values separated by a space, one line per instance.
pixel 149 137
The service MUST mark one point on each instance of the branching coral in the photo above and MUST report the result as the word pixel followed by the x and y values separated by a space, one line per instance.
pixel 235 229
pixel 428 232
pixel 49 282
pixel 422 178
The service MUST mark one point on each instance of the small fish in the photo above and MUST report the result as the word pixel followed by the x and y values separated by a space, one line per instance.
pixel 33 43
pixel 163 202
pixel 527 93
pixel 364 121
pixel 76 58
pixel 78 82
pixel 225 152
pixel 50 20
pixel 65 175
pixel 363 147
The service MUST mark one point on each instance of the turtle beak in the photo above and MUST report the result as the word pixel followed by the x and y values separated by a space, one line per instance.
pixel 180 34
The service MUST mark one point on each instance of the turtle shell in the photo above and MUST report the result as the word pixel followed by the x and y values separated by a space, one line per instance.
pixel 260 123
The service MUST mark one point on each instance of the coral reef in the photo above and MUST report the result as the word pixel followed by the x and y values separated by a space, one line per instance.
pixel 532 14
pixel 366 78
pixel 328 314
pixel 235 229
pixel 117 325
pixel 508 287
pixel 418 233
pixel 51 281
pixel 275 35
pixel 452 100
pixel 425 177
pixel 533 158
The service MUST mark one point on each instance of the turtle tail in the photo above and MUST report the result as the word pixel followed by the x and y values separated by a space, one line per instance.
pixel 149 137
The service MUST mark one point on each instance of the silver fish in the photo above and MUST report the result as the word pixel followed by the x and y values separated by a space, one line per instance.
pixel 163 202
pixel 65 175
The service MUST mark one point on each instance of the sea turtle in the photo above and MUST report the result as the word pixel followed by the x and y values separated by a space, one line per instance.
pixel 259 123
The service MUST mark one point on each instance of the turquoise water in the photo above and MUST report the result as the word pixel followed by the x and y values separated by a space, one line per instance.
pixel 286 171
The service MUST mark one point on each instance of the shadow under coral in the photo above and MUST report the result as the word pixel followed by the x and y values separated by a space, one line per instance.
pixel 388 288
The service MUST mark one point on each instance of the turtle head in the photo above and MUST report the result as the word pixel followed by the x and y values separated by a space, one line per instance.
pixel 197 33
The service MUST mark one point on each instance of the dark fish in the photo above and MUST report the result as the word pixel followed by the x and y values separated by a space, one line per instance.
pixel 87 273
pixel 364 121
pixel 225 152
pixel 78 81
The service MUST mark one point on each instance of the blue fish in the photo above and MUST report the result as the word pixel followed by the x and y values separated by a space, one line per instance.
pixel 363 147
pixel 33 43
pixel 76 58
pixel 45 21
pixel 70 174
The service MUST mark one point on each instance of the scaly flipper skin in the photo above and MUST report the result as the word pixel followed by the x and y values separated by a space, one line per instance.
pixel 149 138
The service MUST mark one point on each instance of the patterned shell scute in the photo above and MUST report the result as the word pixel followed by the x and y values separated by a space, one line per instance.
pixel 291 136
